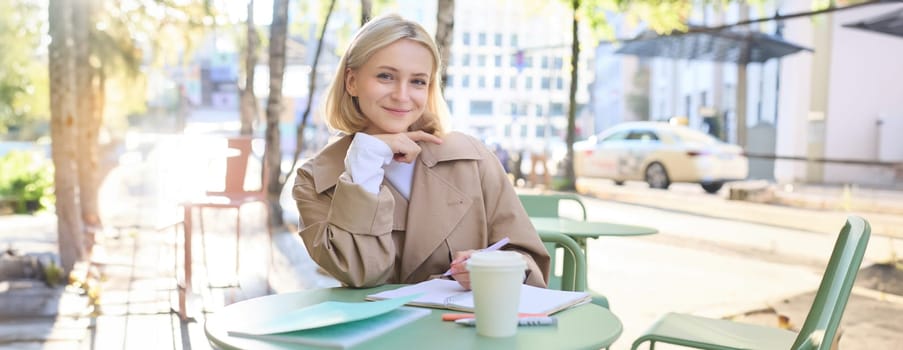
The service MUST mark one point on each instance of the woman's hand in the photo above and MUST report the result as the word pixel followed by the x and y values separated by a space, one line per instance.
pixel 459 268
pixel 404 145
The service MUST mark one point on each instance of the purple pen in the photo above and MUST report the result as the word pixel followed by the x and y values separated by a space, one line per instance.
pixel 496 246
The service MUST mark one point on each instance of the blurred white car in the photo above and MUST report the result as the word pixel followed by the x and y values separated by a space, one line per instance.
pixel 660 154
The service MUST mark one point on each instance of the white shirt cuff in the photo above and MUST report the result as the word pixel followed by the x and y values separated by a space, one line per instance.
pixel 365 160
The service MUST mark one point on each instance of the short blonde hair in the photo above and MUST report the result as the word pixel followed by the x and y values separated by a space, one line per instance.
pixel 343 114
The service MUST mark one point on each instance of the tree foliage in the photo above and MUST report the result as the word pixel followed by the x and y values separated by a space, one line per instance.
pixel 23 73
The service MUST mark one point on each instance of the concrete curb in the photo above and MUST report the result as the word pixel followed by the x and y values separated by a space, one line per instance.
pixel 823 221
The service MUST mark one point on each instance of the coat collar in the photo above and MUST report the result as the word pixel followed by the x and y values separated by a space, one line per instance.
pixel 432 193
pixel 327 165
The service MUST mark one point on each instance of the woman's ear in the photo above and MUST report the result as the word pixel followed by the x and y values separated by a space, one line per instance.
pixel 350 82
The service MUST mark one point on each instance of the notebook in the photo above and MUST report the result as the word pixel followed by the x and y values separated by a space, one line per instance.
pixel 448 294
pixel 332 323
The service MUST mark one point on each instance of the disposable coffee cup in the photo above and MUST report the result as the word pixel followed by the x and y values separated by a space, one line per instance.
pixel 496 278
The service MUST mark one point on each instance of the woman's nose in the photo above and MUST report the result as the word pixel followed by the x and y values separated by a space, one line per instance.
pixel 400 92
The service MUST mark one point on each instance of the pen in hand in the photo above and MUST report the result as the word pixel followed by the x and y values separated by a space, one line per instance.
pixel 496 246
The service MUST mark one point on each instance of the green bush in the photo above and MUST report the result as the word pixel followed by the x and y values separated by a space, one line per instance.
pixel 26 181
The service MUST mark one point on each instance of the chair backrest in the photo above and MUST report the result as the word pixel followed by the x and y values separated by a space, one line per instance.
pixel 570 247
pixel 836 285
pixel 546 205
pixel 237 168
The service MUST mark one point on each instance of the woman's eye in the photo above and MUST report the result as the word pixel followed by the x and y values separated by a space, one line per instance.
pixel 419 82
pixel 385 76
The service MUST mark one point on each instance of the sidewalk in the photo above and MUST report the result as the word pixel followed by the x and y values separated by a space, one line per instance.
pixel 136 265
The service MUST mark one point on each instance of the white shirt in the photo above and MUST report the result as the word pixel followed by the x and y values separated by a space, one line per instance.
pixel 369 160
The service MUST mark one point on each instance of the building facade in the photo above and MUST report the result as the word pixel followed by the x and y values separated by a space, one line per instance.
pixel 833 106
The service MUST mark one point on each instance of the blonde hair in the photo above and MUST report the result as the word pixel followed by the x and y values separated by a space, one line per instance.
pixel 343 114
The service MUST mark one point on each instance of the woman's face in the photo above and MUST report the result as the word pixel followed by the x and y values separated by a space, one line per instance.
pixel 392 86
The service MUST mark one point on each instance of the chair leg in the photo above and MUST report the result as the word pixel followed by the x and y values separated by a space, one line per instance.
pixel 266 221
pixel 237 239
pixel 203 240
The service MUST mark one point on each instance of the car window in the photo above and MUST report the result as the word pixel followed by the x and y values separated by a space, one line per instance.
pixel 642 135
pixel 617 136
pixel 693 136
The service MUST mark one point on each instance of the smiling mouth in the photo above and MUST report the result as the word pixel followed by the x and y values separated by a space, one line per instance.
pixel 397 111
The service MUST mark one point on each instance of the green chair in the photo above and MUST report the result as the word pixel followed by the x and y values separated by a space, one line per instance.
pixel 818 330
pixel 546 205
pixel 570 247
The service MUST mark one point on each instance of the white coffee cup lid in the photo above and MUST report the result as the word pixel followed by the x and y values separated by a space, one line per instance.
pixel 497 259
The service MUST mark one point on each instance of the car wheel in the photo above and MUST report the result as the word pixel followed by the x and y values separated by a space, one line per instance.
pixel 657 176
pixel 619 182
pixel 712 187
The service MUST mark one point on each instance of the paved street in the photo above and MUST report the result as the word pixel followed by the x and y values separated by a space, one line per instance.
pixel 706 265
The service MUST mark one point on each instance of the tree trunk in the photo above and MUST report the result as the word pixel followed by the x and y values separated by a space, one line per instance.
pixel 89 118
pixel 366 11
pixel 445 28
pixel 311 88
pixel 273 153
pixel 63 134
pixel 248 98
pixel 569 176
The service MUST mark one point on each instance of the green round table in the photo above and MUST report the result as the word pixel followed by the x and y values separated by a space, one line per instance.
pixel 580 231
pixel 584 327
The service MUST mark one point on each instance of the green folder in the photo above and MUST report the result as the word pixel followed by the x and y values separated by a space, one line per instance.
pixel 333 323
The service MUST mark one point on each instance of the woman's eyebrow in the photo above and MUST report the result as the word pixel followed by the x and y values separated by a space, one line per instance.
pixel 393 69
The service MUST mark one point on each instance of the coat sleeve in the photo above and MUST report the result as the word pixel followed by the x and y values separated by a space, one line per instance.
pixel 507 217
pixel 348 231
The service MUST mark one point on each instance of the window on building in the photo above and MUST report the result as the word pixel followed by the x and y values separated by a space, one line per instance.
pixel 512 83
pixel 507 130
pixel 559 83
pixel 688 101
pixel 481 82
pixel 538 110
pixel 556 109
pixel 497 82
pixel 540 131
pixel 528 61
pixel 481 39
pixel 546 83
pixel 478 107
pixel 523 131
pixel 529 84
pixel 513 40
pixel 465 37
pixel 559 62
pixel 481 60
pixel 498 61
pixel 465 60
pixel 448 80
pixel 465 81
pixel 513 110
pixel 545 62
pixel 498 40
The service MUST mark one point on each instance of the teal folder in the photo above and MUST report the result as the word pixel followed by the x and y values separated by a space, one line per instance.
pixel 333 323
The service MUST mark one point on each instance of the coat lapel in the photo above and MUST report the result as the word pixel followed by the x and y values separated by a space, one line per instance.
pixel 436 206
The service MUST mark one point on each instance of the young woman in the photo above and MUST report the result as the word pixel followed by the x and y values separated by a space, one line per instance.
pixel 397 200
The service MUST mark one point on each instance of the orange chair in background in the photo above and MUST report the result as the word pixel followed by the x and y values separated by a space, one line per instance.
pixel 234 195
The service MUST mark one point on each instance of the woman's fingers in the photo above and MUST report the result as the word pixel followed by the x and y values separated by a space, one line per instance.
pixel 404 145
pixel 423 136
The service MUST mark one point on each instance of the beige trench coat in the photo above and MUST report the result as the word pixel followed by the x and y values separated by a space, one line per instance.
pixel 460 199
